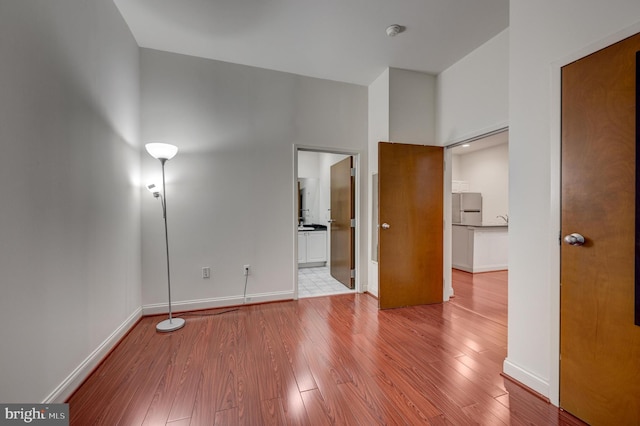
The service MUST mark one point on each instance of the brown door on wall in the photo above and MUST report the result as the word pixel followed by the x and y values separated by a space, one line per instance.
pixel 599 343
pixel 410 191
pixel 342 215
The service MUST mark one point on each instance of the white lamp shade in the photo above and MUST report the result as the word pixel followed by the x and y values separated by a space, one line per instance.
pixel 161 151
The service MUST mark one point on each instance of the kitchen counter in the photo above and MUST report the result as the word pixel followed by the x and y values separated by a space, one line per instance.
pixel 315 227
pixel 485 225
pixel 479 248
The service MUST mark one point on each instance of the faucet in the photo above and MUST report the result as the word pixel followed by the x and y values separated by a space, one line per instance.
pixel 505 218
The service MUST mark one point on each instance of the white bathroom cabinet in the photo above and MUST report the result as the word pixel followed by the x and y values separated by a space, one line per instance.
pixel 312 248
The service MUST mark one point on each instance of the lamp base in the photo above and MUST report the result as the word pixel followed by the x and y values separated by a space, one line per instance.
pixel 170 325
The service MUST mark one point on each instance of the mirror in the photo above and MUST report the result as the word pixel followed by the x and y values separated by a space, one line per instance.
pixel 309 200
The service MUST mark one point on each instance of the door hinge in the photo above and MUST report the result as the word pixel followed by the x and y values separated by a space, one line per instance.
pixel 353 171
pixel 353 273
pixel 353 223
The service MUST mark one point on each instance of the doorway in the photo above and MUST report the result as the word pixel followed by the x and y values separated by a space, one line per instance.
pixel 317 227
pixel 480 203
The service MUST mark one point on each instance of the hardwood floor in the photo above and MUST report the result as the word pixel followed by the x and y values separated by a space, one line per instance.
pixel 484 294
pixel 320 361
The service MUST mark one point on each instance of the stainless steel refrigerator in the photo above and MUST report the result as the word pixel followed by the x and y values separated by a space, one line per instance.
pixel 467 208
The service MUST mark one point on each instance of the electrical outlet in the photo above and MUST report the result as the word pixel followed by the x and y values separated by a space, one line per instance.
pixel 206 272
pixel 245 269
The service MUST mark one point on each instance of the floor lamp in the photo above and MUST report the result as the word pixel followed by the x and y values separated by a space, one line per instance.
pixel 164 152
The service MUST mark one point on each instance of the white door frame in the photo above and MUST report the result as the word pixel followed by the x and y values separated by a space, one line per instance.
pixel 448 228
pixel 359 285
pixel 556 169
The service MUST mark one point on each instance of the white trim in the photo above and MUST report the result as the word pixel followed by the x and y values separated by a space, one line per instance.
pixel 86 367
pixel 478 134
pixel 294 221
pixel 481 269
pixel 525 377
pixel 269 297
pixel 447 228
pixel 555 124
pixel 216 302
pixel 447 243
pixel 555 169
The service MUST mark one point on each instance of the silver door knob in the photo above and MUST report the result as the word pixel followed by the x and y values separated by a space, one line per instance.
pixel 574 239
pixel 385 226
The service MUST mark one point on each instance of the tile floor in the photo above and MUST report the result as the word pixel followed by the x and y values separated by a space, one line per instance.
pixel 314 282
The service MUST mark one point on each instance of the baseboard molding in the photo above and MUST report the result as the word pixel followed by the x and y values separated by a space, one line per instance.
pixel 448 293
pixel 480 269
pixel 63 391
pixel 77 376
pixel 371 294
pixel 216 302
pixel 525 387
pixel 525 377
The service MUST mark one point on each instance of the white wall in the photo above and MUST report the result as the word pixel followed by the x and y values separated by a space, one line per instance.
pixel 412 107
pixel 69 184
pixel 309 168
pixel 308 164
pixel 456 170
pixel 402 108
pixel 378 107
pixel 473 93
pixel 318 165
pixel 471 100
pixel 231 186
pixel 487 171
pixel 543 36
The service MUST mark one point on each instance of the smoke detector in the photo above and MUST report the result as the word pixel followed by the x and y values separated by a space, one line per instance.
pixel 395 29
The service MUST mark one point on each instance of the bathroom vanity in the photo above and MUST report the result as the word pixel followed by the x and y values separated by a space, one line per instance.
pixel 312 246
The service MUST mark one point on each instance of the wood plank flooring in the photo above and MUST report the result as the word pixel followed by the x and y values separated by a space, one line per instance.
pixel 484 294
pixel 334 360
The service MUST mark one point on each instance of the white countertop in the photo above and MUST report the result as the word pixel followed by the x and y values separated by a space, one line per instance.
pixel 484 225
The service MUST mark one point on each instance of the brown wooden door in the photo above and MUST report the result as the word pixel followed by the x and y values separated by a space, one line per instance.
pixel 410 191
pixel 600 345
pixel 342 213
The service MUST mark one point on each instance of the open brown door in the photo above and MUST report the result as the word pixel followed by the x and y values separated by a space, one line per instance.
pixel 600 345
pixel 410 190
pixel 342 229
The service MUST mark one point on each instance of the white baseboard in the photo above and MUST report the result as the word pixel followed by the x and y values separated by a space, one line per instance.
pixel 479 269
pixel 80 373
pixel 77 376
pixel 527 378
pixel 447 294
pixel 216 302
pixel 491 268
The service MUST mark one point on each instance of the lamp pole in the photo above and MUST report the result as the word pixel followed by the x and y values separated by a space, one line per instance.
pixel 166 236
pixel 164 152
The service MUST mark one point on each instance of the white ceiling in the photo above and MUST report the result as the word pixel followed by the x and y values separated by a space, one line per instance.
pixel 342 40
